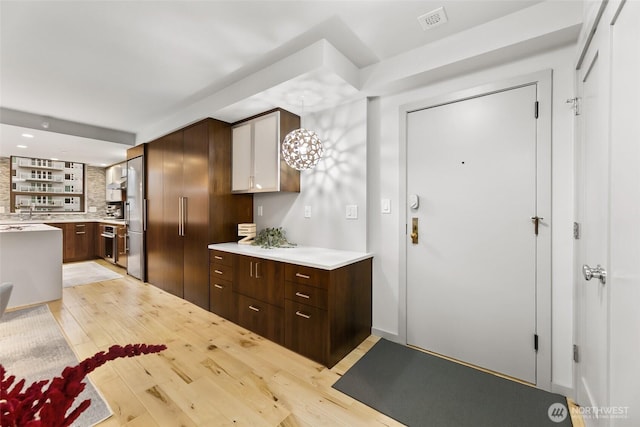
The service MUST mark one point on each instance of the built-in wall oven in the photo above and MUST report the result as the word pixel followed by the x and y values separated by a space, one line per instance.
pixel 109 243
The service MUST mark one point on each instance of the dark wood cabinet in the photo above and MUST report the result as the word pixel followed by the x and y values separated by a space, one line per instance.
pixel 99 241
pixel 306 330
pixel 262 318
pixel 222 299
pixel 122 246
pixel 261 279
pixel 189 206
pixel 258 283
pixel 321 314
pixel 78 240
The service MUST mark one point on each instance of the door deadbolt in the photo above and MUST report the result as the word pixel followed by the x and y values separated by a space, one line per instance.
pixel 414 231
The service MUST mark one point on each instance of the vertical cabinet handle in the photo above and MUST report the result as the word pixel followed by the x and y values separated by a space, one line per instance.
pixel 257 275
pixel 185 214
pixel 144 215
pixel 250 268
pixel 179 216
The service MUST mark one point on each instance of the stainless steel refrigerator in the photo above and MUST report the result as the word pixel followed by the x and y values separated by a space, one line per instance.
pixel 135 216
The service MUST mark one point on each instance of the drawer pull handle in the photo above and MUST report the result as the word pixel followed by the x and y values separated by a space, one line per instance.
pixel 304 276
pixel 301 295
pixel 301 314
pixel 217 257
pixel 80 225
pixel 217 271
pixel 80 232
pixel 218 286
pixel 254 308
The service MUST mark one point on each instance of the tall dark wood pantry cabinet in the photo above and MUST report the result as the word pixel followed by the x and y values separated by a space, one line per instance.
pixel 190 205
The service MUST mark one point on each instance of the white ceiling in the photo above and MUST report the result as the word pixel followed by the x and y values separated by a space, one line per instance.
pixel 131 65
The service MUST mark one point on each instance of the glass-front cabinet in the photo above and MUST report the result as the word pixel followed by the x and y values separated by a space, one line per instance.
pixel 45 185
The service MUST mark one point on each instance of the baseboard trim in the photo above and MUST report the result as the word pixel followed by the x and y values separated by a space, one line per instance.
pixel 387 335
pixel 563 390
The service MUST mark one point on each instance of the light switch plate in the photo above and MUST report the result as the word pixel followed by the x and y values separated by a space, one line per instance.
pixel 260 210
pixel 1 209
pixel 385 205
pixel 307 211
pixel 93 209
pixel 352 212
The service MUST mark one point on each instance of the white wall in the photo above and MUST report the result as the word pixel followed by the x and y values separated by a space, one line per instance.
pixel 339 179
pixel 386 231
pixel 361 166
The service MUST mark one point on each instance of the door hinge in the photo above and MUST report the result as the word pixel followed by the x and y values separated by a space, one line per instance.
pixel 576 353
pixel 576 230
pixel 535 342
pixel 536 108
pixel 575 105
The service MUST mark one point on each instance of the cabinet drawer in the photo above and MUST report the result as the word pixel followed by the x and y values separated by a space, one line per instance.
pixel 220 257
pixel 221 298
pixel 262 318
pixel 305 294
pixel 306 330
pixel 219 271
pixel 260 279
pixel 306 275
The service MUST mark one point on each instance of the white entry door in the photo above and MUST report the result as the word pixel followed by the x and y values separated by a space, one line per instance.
pixel 592 249
pixel 472 188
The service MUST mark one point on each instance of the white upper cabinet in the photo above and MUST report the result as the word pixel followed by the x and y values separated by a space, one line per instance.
pixel 242 168
pixel 116 181
pixel 257 165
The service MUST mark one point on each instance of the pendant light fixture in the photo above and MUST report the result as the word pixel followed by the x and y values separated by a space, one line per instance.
pixel 302 148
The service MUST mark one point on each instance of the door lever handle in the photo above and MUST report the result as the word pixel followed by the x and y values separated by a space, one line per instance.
pixel 598 273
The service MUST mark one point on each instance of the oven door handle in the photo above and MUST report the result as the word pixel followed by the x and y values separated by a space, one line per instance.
pixel 108 236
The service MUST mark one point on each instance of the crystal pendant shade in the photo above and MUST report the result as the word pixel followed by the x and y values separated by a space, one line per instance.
pixel 302 149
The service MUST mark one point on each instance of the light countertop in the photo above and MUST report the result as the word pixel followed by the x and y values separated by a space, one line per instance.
pixel 21 228
pixel 323 258
pixel 59 221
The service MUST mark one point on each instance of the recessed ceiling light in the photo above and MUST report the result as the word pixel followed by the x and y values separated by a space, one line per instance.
pixel 27 135
pixel 21 146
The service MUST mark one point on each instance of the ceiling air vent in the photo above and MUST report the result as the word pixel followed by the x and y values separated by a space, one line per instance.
pixel 433 19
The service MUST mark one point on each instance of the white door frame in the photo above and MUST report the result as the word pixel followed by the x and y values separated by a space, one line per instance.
pixel 623 278
pixel 543 80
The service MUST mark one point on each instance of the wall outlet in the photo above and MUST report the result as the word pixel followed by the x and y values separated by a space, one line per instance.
pixel 1 209
pixel 385 206
pixel 93 209
pixel 260 210
pixel 352 212
pixel 307 211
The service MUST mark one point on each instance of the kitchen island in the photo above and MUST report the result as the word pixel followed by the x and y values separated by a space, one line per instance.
pixel 31 259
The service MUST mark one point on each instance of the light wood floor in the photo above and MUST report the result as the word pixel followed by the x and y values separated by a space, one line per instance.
pixel 214 373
